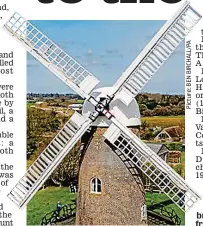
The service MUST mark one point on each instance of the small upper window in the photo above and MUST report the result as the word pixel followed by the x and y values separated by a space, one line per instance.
pixel 95 185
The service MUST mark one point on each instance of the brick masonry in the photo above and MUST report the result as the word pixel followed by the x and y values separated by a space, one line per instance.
pixel 122 196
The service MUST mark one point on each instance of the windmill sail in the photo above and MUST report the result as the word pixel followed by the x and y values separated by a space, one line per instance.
pixel 49 159
pixel 83 82
pixel 52 56
pixel 158 171
pixel 158 50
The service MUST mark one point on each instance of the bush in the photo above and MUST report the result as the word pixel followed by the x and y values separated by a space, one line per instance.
pixel 175 146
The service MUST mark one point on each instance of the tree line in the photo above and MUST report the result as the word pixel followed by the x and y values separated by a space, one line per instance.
pixel 161 104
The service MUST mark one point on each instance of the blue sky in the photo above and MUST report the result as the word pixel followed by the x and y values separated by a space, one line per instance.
pixel 105 48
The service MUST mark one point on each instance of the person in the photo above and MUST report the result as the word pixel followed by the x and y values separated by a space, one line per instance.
pixel 59 206
pixel 58 209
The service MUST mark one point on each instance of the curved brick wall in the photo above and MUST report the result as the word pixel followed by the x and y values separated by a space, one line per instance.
pixel 122 197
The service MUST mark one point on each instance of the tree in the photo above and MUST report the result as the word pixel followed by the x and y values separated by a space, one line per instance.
pixel 151 104
pixel 161 111
pixel 68 169
pixel 40 125
pixel 148 113
pixel 143 108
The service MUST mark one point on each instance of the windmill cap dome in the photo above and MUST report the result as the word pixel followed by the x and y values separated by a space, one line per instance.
pixel 123 107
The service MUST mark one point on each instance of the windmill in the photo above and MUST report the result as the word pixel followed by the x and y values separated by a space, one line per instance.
pixel 99 106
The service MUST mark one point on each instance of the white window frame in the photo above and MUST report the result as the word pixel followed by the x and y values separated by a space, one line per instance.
pixel 94 186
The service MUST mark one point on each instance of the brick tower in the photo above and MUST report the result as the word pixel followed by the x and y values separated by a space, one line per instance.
pixel 111 191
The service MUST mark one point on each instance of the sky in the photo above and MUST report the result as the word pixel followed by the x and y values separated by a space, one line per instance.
pixel 105 48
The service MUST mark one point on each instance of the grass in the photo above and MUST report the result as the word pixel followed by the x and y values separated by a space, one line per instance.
pixel 156 198
pixel 29 104
pixel 183 157
pixel 45 201
pixel 80 101
pixel 165 121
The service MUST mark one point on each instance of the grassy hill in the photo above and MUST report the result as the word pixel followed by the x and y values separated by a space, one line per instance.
pixel 45 201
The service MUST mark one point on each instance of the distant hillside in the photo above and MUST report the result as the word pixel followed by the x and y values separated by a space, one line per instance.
pixel 161 104
pixel 155 104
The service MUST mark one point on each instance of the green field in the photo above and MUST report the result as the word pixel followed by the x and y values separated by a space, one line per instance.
pixel 45 201
pixel 29 104
pixel 154 199
pixel 165 121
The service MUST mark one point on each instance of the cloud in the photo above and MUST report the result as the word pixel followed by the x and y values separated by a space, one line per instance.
pixel 115 53
pixel 89 52
pixel 95 62
pixel 71 43
pixel 77 57
pixel 112 51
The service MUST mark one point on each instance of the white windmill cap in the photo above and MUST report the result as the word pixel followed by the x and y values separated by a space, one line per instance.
pixel 123 106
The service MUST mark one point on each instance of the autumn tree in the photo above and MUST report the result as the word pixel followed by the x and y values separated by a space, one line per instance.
pixel 67 170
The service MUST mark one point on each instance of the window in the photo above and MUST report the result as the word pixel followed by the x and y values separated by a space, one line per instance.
pixel 95 185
